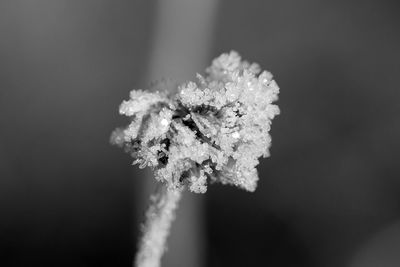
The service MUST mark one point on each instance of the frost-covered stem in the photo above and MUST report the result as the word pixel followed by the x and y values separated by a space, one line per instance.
pixel 159 218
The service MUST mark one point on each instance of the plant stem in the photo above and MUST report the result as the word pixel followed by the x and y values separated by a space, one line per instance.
pixel 159 217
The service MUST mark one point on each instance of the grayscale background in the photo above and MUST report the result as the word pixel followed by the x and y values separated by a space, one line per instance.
pixel 328 196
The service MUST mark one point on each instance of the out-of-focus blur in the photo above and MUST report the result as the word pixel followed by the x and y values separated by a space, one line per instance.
pixel 328 196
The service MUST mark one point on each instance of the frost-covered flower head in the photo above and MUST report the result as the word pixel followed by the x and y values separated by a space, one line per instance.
pixel 214 129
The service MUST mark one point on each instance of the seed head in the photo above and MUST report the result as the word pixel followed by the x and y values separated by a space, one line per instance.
pixel 214 129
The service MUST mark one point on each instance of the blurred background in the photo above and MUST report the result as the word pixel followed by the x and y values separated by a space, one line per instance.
pixel 328 196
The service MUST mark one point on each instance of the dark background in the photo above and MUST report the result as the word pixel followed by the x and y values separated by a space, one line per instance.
pixel 328 196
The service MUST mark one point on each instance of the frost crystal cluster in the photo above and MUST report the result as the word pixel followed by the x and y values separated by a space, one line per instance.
pixel 211 130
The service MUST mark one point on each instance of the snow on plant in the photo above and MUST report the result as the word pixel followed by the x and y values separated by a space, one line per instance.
pixel 211 130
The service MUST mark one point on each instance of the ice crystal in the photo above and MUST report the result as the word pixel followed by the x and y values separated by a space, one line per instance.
pixel 214 129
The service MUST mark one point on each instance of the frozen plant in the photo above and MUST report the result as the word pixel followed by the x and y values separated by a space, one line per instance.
pixel 212 130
